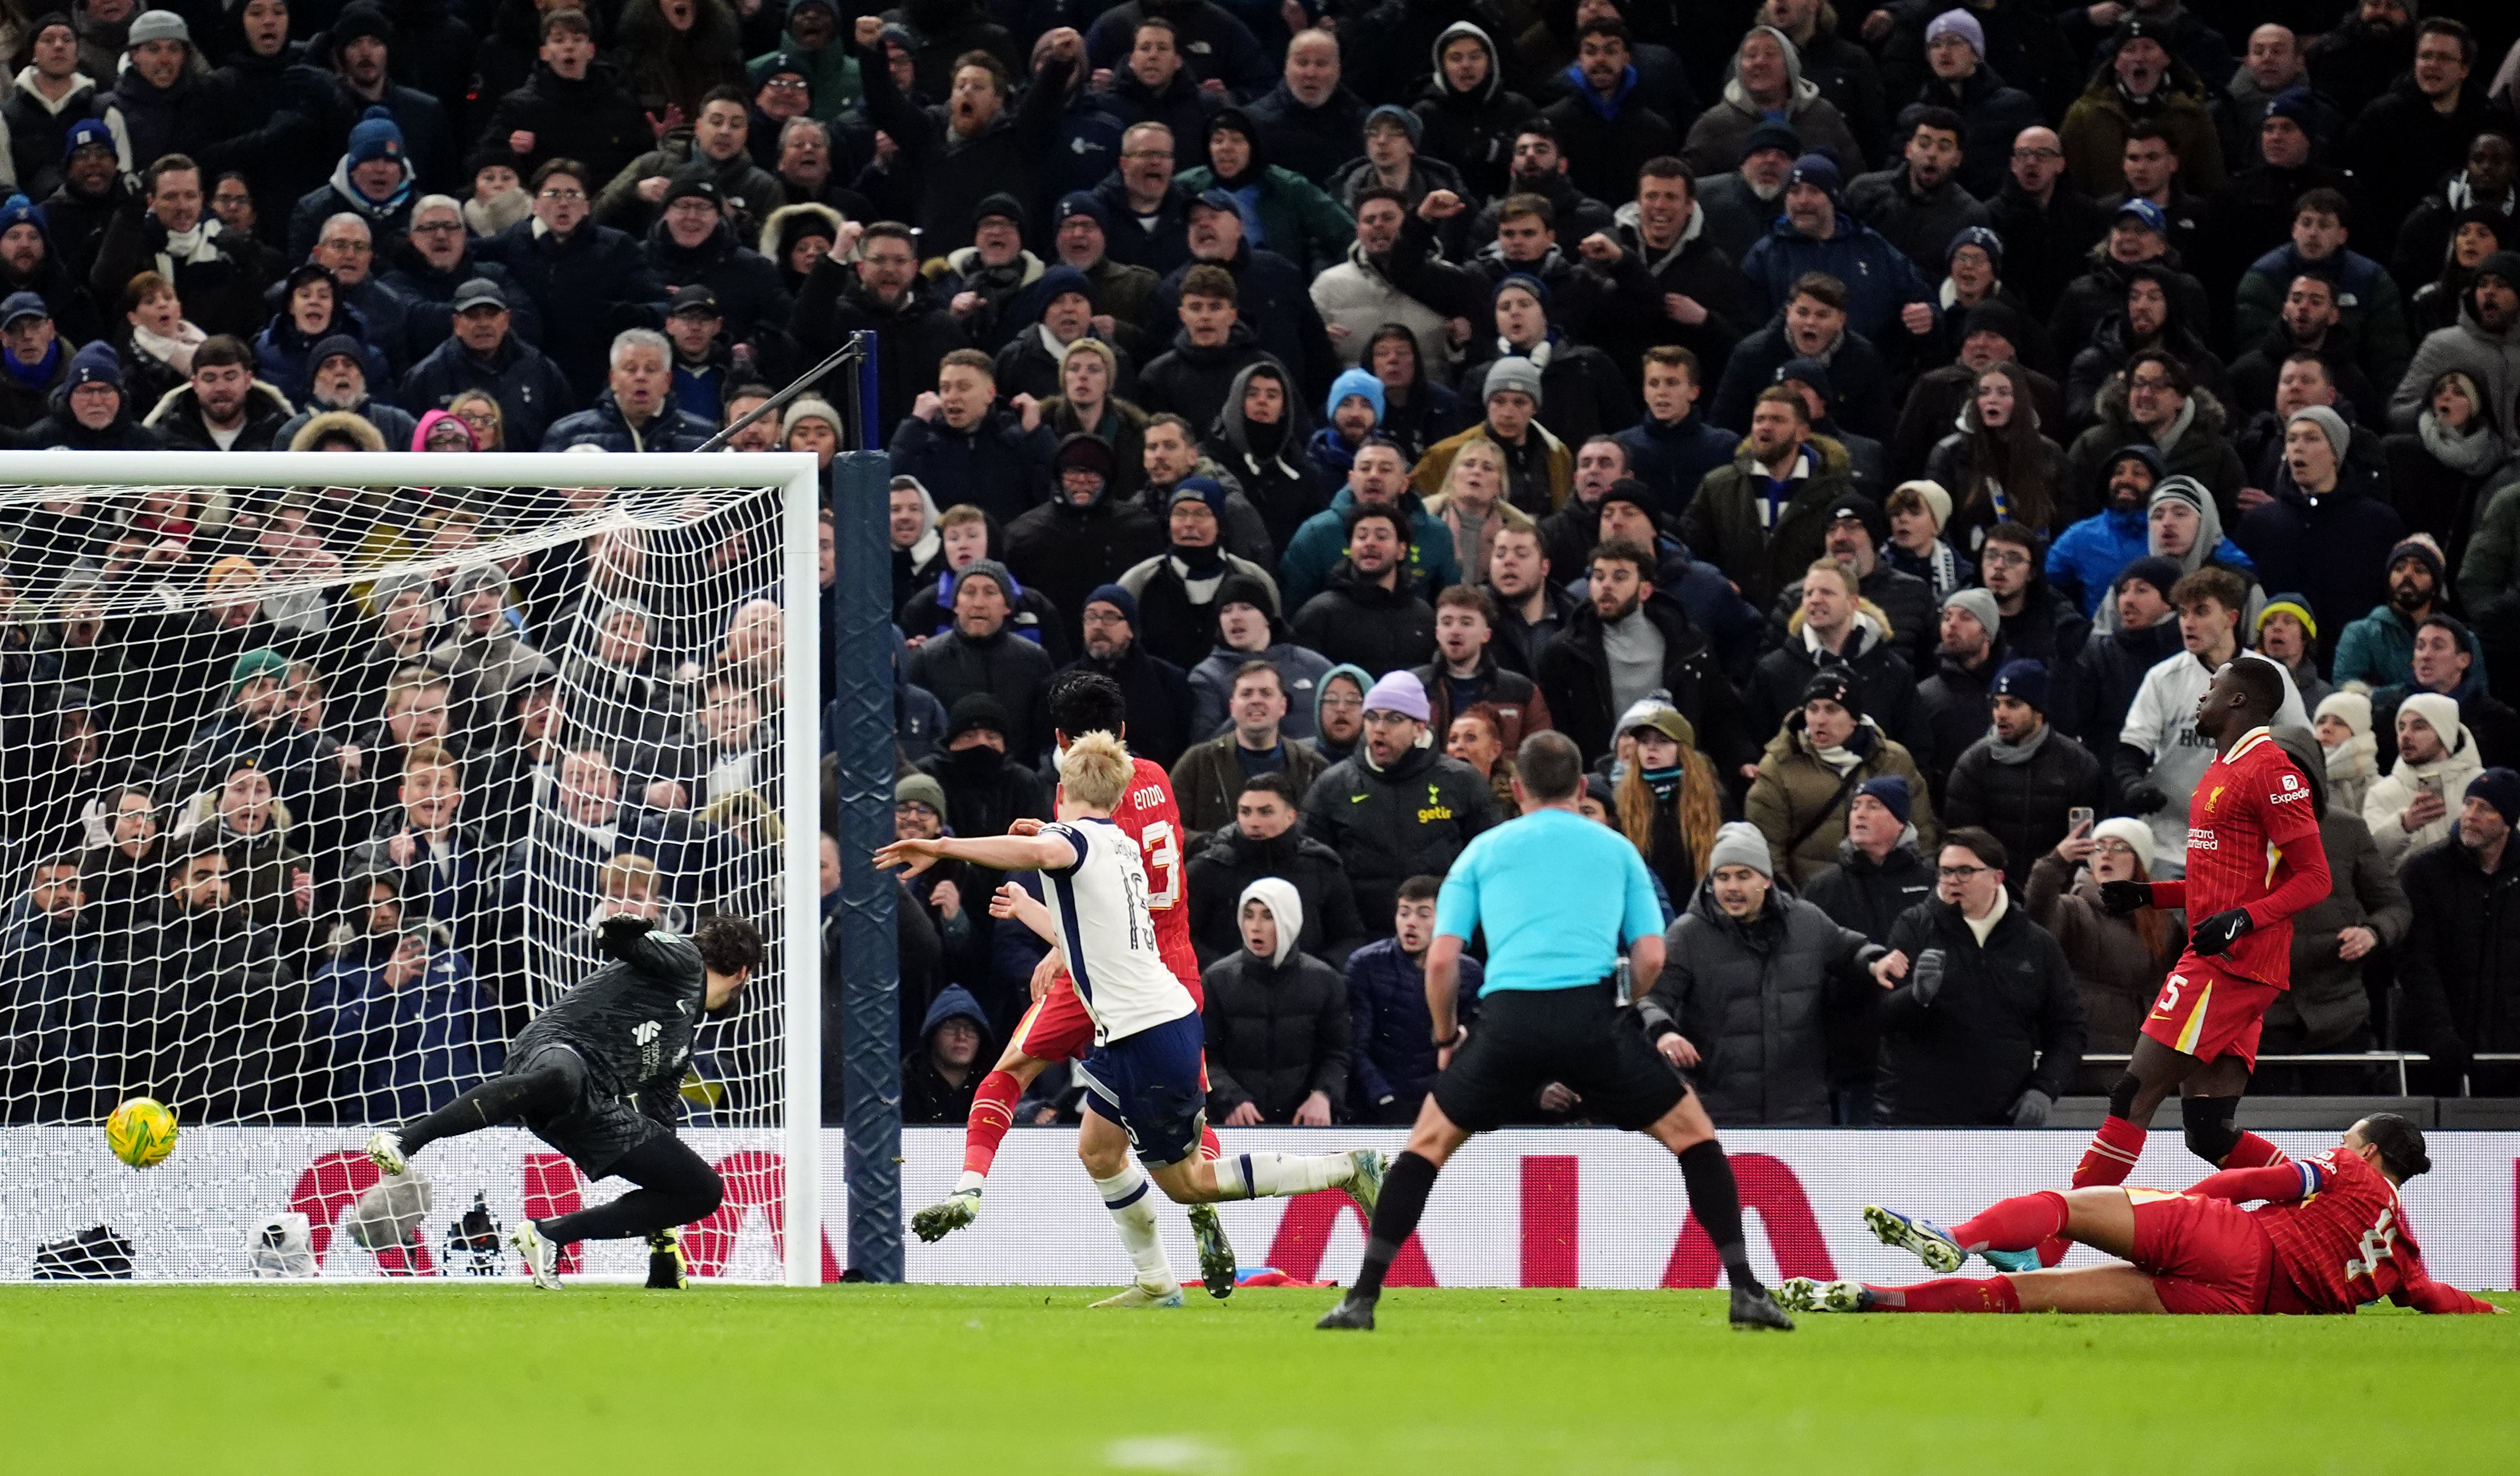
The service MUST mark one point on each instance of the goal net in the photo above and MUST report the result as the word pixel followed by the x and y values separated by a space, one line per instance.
pixel 312 794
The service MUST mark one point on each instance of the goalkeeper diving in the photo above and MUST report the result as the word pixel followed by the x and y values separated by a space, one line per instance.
pixel 598 1076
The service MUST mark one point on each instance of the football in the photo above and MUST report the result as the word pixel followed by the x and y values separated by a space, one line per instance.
pixel 141 1132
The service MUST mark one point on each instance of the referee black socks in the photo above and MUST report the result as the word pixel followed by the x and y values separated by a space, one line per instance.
pixel 1712 1197
pixel 1715 1199
pixel 1405 1187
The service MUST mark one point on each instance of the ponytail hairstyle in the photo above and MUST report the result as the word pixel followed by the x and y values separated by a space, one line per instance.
pixel 2400 1142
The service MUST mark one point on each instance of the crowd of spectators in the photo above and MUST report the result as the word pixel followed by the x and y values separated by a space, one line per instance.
pixel 1861 431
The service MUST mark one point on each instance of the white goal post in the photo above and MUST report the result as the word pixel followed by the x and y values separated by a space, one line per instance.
pixel 686 542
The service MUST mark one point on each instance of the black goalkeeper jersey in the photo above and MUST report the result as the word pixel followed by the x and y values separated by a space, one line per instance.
pixel 632 1020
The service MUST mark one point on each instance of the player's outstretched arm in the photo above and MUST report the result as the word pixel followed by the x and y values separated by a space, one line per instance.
pixel 2440 1299
pixel 2417 1290
pixel 2279 1184
pixel 1012 901
pixel 618 934
pixel 633 941
pixel 1003 853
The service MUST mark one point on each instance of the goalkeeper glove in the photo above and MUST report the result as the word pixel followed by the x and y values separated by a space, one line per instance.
pixel 2215 934
pixel 2119 897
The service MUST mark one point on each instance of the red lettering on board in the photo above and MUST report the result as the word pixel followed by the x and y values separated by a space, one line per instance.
pixel 553 1190
pixel 1304 1233
pixel 754 1180
pixel 333 1183
pixel 1769 1186
pixel 1549 1220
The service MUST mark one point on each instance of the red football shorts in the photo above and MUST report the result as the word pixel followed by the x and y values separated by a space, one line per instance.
pixel 1057 1027
pixel 2205 1256
pixel 2209 1013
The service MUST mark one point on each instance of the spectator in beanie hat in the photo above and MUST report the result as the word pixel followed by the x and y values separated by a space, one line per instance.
pixel 1158 692
pixel 2023 778
pixel 1825 751
pixel 1959 77
pixel 1083 536
pixel 375 181
pixel 2455 963
pixel 2286 632
pixel 986 788
pixel 90 411
pixel 2379 648
pixel 1396 807
pixel 983 655
pixel 1889 301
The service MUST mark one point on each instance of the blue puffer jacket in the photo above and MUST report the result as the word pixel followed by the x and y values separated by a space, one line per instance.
pixel 1392 1061
pixel 601 424
pixel 1879 278
pixel 2086 557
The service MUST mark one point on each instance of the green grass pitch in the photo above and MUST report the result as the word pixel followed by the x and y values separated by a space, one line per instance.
pixel 999 1379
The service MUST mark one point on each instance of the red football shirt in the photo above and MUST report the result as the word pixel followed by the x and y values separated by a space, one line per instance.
pixel 2252 842
pixel 2345 1241
pixel 1150 816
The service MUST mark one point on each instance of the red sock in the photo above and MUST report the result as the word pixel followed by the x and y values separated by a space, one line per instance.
pixel 1210 1148
pixel 2016 1224
pixel 2253 1152
pixel 1951 1294
pixel 993 1112
pixel 2112 1155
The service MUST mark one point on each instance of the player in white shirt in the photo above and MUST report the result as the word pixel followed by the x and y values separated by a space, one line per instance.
pixel 2160 755
pixel 1143 1080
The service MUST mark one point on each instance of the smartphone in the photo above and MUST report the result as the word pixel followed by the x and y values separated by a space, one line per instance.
pixel 2430 784
pixel 2077 819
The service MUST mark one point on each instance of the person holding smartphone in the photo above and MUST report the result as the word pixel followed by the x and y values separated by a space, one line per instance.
pixel 2413 805
pixel 2024 779
pixel 2119 961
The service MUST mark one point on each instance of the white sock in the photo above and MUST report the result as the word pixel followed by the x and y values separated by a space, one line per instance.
pixel 970 1183
pixel 1251 1176
pixel 1130 1197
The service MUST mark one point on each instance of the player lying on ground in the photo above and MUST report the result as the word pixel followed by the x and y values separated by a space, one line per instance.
pixel 2330 1237
pixel 1144 1079
pixel 599 1077
pixel 1549 1012
pixel 2254 859
pixel 1058 1028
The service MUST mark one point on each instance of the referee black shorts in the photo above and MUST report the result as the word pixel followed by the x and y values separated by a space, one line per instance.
pixel 1527 1038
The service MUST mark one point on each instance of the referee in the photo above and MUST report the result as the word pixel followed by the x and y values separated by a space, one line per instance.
pixel 1549 1012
